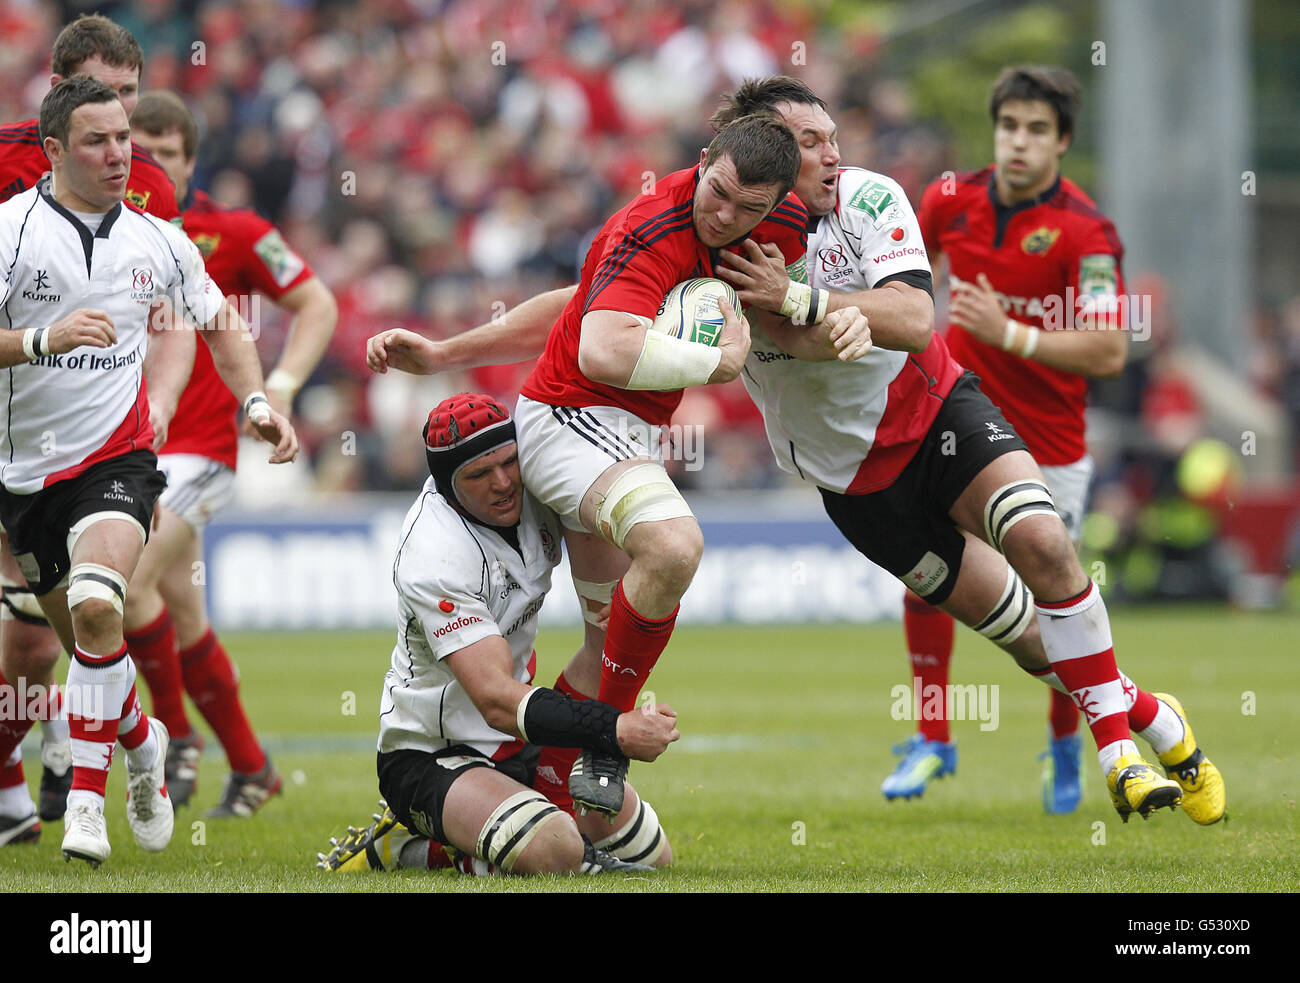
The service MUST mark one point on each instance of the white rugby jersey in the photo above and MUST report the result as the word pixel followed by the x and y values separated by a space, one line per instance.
pixel 457 583
pixel 825 419
pixel 64 413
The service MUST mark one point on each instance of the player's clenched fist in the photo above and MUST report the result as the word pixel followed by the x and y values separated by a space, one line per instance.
pixel 733 343
pixel 81 327
pixel 646 733
pixel 849 332
pixel 403 350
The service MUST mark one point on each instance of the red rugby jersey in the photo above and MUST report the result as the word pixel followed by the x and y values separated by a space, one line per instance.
pixel 643 251
pixel 23 161
pixel 1042 256
pixel 244 254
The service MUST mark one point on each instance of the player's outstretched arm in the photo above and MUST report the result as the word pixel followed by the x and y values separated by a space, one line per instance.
pixel 88 326
pixel 168 363
pixel 235 358
pixel 543 716
pixel 1095 351
pixel 315 315
pixel 516 336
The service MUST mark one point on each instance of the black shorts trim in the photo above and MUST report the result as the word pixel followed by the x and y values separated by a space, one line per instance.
pixel 906 528
pixel 415 784
pixel 38 524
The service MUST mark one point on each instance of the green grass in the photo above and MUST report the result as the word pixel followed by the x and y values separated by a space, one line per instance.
pixel 775 786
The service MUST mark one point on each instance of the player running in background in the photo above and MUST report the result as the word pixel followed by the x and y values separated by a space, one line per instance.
pixel 460 722
pixel 80 481
pixel 166 621
pixel 29 649
pixel 1019 239
pixel 916 468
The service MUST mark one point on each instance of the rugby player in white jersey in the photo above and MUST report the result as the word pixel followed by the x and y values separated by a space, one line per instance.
pixel 916 467
pixel 460 725
pixel 81 275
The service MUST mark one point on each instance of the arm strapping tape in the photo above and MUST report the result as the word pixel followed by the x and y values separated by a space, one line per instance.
pixel 803 304
pixel 547 717
pixel 668 364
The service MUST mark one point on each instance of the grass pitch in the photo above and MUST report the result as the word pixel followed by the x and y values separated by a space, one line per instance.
pixel 775 785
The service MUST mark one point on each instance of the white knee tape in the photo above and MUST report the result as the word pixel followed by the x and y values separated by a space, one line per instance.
pixel 1013 613
pixel 1013 502
pixel 589 590
pixel 642 493
pixel 638 842
pixel 512 826
pixel 87 580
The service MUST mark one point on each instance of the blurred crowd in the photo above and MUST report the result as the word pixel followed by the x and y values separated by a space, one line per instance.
pixel 437 161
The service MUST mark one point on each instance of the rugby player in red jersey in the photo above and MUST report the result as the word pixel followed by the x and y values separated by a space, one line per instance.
pixel 590 413
pixel 95 46
pixel 1028 254
pixel 166 621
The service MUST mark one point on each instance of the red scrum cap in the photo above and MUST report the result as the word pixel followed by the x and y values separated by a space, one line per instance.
pixel 460 429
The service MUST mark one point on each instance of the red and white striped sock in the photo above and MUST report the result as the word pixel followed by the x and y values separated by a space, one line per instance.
pixel 1077 639
pixel 97 687
pixel 15 801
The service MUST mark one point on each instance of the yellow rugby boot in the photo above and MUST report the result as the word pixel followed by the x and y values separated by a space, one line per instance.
pixel 1135 787
pixel 1204 797
pixel 377 847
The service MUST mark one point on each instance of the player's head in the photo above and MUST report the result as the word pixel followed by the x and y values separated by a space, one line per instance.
pixel 469 440
pixel 165 128
pixel 745 172
pixel 93 45
pixel 86 136
pixel 800 109
pixel 1033 109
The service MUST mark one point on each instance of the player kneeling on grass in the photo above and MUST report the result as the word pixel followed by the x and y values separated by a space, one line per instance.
pixel 461 728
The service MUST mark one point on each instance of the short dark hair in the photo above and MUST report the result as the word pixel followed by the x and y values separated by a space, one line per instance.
pixel 759 96
pixel 65 97
pixel 159 112
pixel 1051 84
pixel 762 148
pixel 90 35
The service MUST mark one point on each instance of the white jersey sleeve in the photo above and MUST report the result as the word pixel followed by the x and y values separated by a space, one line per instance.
pixel 880 226
pixel 189 288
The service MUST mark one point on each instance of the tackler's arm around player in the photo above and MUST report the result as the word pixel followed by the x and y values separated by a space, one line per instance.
pixel 545 716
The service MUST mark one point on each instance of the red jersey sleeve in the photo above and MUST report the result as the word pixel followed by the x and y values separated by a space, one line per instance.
pixel 271 266
pixel 1096 275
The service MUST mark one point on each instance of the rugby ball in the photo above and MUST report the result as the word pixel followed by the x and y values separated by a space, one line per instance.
pixel 690 310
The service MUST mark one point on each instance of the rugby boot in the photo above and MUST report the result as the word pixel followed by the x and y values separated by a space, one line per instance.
pixel 245 794
pixel 85 835
pixel 56 780
pixel 24 830
pixel 148 809
pixel 922 761
pixel 1135 787
pixel 377 847
pixel 598 861
pixel 596 783
pixel 1204 797
pixel 1062 775
pixel 183 755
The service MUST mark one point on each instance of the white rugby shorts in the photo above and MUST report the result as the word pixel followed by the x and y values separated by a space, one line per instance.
pixel 197 487
pixel 564 449
pixel 1069 484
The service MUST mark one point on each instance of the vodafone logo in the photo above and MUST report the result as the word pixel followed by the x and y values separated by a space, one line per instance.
pixel 898 254
pixel 898 235
pixel 459 623
pixel 446 607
